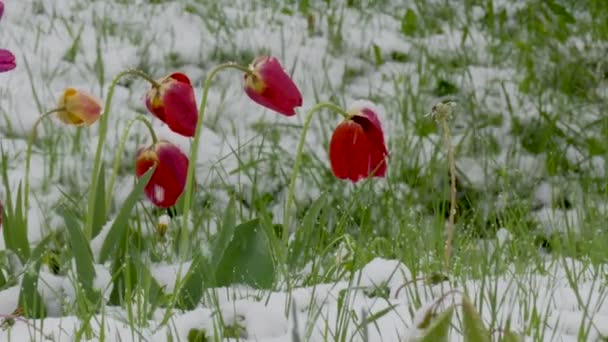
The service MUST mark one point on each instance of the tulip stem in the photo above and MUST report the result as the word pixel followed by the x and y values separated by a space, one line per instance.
pixel 452 165
pixel 121 148
pixel 192 169
pixel 28 156
pixel 298 160
pixel 103 128
pixel 195 145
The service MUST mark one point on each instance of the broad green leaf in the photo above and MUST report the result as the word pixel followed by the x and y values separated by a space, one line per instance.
pixel 409 23
pixel 82 255
pixel 474 329
pixel 248 258
pixel 29 299
pixel 99 216
pixel 225 234
pixel 192 287
pixel 118 230
pixel 440 327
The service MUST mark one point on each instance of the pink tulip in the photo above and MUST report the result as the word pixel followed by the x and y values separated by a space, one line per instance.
pixel 174 103
pixel 269 86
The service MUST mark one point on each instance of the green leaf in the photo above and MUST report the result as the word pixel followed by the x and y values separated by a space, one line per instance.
pixel 378 55
pixel 99 216
pixel 560 11
pixel 225 234
pixel 510 336
pixel 14 224
pixel 474 329
pixel 374 317
pixel 118 231
pixel 29 299
pixel 248 258
pixel 409 23
pixel 193 283
pixel 302 242
pixel 83 256
pixel 440 327
pixel 72 52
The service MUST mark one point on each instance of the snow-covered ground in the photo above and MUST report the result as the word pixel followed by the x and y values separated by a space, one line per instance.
pixel 565 294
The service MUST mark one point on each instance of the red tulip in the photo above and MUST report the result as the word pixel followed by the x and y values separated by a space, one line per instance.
pixel 357 148
pixel 269 86
pixel 169 177
pixel 7 60
pixel 174 103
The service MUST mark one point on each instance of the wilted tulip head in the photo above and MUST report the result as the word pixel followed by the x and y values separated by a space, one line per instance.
pixel 173 103
pixel 78 108
pixel 268 85
pixel 7 60
pixel 357 149
pixel 169 177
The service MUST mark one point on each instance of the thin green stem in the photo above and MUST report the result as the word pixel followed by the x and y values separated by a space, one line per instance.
pixel 190 177
pixel 298 161
pixel 28 155
pixel 195 144
pixel 121 147
pixel 103 128
pixel 452 165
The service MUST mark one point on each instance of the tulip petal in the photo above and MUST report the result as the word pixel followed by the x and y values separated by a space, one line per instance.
pixel 7 60
pixel 173 103
pixel 1 9
pixel 79 107
pixel 169 178
pixel 357 149
pixel 377 148
pixel 180 108
pixel 348 151
pixel 270 86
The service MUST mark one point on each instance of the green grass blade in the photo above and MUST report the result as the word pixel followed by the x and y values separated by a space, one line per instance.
pixel 15 226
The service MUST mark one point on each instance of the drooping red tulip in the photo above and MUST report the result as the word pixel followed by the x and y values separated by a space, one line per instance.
pixel 7 59
pixel 173 103
pixel 269 85
pixel 169 177
pixel 357 149
pixel 78 107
